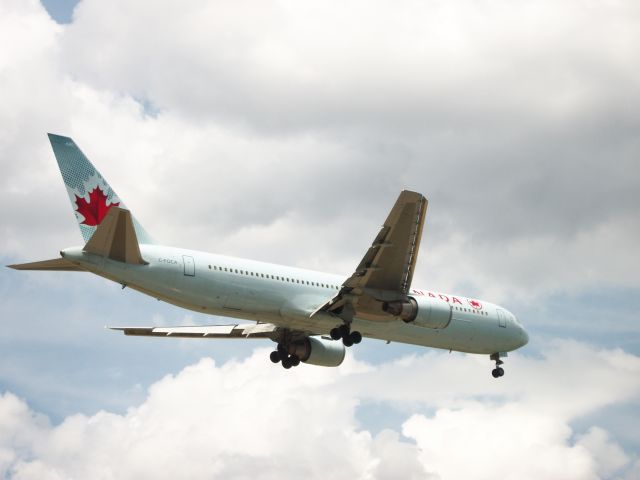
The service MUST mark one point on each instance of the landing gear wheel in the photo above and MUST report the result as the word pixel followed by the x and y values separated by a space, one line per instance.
pixel 286 363
pixel 345 331
pixel 335 333
pixel 498 371
pixel 356 337
pixel 274 357
pixel 347 341
pixel 295 361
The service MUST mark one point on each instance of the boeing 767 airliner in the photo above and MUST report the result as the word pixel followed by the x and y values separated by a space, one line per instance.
pixel 311 316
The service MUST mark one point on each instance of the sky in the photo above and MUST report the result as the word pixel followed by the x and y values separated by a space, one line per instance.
pixel 283 131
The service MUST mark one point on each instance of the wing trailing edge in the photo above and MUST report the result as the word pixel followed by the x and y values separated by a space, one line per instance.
pixel 260 330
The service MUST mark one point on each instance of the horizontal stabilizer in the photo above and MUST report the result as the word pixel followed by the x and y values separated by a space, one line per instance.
pixel 260 330
pixel 115 238
pixel 57 264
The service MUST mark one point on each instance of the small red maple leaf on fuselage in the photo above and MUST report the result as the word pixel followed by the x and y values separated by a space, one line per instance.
pixel 95 209
pixel 474 303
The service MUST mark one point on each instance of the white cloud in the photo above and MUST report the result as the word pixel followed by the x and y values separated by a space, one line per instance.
pixel 608 456
pixel 253 419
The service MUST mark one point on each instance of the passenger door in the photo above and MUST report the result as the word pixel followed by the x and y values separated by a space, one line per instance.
pixel 502 319
pixel 189 266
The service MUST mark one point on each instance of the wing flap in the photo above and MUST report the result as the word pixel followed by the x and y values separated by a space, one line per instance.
pixel 260 330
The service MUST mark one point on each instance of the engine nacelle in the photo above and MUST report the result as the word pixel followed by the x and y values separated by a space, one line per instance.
pixel 424 311
pixel 318 351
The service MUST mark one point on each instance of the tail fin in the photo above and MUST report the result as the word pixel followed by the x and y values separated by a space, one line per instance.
pixel 90 194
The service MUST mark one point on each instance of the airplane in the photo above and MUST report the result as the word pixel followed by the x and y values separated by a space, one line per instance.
pixel 311 316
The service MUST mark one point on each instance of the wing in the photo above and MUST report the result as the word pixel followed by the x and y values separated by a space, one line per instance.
pixel 386 270
pixel 259 330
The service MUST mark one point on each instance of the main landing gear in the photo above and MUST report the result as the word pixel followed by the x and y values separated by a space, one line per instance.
pixel 498 371
pixel 281 354
pixel 344 332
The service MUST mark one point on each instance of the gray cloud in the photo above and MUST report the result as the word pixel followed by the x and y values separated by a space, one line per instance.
pixel 516 122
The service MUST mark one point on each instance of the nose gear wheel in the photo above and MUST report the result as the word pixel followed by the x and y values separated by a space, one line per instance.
pixel 498 371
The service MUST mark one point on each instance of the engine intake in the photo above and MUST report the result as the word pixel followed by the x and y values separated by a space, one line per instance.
pixel 318 351
pixel 424 311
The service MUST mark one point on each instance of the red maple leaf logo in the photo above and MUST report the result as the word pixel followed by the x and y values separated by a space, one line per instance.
pixel 95 209
pixel 475 304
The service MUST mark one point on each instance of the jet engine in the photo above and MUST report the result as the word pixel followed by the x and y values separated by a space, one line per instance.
pixel 424 311
pixel 318 351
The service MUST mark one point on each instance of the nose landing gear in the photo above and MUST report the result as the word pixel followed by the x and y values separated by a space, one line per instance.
pixel 344 332
pixel 498 371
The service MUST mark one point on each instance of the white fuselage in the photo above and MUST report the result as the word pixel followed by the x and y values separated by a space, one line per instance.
pixel 286 296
